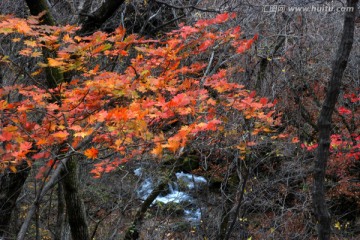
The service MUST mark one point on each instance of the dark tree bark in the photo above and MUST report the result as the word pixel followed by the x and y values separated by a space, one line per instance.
pixel 93 21
pixel 74 204
pixel 53 75
pixel 324 123
pixel 11 185
pixel 61 216
pixel 38 6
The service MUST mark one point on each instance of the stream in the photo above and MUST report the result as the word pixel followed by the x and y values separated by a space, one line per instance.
pixel 179 192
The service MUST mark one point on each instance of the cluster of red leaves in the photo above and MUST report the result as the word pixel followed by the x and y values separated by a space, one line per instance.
pixel 120 111
pixel 345 147
pixel 344 161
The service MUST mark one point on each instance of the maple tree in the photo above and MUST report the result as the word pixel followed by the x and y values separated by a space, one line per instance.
pixel 113 110
pixel 125 90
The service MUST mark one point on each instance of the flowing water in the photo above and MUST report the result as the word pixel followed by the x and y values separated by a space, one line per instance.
pixel 175 193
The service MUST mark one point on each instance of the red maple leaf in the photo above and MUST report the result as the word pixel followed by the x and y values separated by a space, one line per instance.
pixel 5 136
pixel 344 111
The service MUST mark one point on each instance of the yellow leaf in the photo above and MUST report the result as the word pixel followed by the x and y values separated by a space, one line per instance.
pixel 77 38
pixel 241 147
pixel 37 72
pixel 61 127
pixel 10 128
pixel 42 64
pixel 337 225
pixel 267 130
pixel 67 39
pixel 54 63
pixel 13 168
pixel 30 43
pixel 36 54
pixel 82 134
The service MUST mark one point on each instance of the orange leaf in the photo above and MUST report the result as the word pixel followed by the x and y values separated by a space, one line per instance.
pixel 173 144
pixel 41 141
pixel 91 153
pixel 157 150
pixel 23 27
pixel 62 135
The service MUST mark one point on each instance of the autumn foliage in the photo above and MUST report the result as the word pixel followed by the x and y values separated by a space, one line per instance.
pixel 124 93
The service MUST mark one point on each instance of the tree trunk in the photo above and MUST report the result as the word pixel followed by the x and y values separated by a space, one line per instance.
pixel 53 75
pixel 38 6
pixel 74 204
pixel 94 21
pixel 11 185
pixel 61 216
pixel 324 123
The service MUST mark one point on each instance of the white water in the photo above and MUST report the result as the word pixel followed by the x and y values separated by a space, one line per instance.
pixel 193 215
pixel 175 195
pixel 138 172
pixel 190 179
